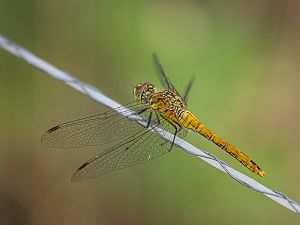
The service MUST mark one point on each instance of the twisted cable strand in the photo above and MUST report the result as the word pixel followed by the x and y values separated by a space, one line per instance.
pixel 96 95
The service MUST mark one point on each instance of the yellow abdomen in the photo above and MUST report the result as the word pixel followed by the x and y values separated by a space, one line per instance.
pixel 188 120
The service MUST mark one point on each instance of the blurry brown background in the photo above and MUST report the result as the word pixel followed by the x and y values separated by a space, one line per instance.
pixel 246 56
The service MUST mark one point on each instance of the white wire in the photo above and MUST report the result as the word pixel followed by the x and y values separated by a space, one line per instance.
pixel 96 95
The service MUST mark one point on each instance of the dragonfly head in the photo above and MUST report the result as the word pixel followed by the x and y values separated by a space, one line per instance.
pixel 143 91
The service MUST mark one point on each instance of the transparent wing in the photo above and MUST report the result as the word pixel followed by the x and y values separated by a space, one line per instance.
pixel 163 76
pixel 95 130
pixel 139 148
pixel 187 90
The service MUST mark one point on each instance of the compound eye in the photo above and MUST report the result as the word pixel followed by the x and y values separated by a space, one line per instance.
pixel 139 88
pixel 149 87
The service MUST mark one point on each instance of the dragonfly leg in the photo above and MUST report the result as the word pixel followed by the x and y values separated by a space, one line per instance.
pixel 141 111
pixel 149 119
pixel 177 129
pixel 158 120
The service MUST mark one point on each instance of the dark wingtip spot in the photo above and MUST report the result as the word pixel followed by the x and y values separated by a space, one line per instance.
pixel 53 129
pixel 75 177
pixel 82 166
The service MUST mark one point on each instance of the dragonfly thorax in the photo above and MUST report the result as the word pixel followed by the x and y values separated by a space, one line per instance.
pixel 142 92
pixel 166 101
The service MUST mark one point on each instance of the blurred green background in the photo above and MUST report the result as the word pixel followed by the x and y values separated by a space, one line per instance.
pixel 245 55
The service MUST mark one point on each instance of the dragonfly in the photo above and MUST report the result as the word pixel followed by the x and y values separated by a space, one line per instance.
pixel 132 142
